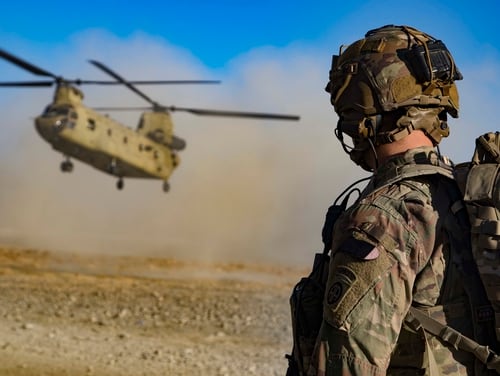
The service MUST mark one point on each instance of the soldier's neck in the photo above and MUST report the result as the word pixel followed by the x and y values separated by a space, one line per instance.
pixel 386 151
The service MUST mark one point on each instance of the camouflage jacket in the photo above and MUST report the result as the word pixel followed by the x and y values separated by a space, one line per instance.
pixel 400 245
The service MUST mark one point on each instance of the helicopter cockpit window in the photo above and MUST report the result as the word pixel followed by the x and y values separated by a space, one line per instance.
pixel 59 111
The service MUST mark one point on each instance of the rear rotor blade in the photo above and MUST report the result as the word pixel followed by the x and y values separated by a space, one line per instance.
pixel 203 112
pixel 255 115
pixel 122 108
pixel 25 65
pixel 123 81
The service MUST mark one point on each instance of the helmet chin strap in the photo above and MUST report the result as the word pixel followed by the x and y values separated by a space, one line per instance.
pixel 367 127
pixel 368 132
pixel 375 155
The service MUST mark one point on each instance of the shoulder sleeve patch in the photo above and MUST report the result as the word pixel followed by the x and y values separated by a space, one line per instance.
pixel 353 286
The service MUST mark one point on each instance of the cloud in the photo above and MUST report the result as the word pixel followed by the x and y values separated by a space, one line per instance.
pixel 245 190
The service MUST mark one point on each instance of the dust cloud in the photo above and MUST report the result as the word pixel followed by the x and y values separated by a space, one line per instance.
pixel 245 191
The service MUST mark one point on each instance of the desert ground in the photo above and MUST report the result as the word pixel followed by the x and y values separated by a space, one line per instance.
pixel 68 314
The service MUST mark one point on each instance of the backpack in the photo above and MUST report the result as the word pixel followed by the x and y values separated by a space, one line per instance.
pixel 479 183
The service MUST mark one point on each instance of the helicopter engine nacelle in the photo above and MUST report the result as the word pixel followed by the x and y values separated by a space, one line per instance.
pixel 156 125
pixel 65 94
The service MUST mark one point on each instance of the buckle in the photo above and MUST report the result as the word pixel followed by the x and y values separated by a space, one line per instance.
pixel 351 68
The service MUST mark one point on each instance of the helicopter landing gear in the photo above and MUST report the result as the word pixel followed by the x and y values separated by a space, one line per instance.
pixel 112 168
pixel 119 184
pixel 66 166
pixel 166 186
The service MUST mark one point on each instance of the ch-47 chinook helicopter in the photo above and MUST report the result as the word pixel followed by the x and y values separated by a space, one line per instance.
pixel 85 134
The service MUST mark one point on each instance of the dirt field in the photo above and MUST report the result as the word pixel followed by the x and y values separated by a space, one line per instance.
pixel 64 314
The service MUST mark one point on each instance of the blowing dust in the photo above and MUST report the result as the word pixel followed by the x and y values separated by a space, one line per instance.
pixel 245 191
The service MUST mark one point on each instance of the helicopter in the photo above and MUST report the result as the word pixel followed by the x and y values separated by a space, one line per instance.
pixel 86 134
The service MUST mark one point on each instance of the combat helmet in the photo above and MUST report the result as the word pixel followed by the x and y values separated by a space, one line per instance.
pixel 395 80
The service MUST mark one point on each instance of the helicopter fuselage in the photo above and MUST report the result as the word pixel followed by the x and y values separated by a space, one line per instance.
pixel 102 142
pixel 85 134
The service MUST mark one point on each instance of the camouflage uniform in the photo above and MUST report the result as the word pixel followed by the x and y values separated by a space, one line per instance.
pixel 401 245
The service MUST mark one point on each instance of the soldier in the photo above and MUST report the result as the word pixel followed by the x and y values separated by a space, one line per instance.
pixel 403 243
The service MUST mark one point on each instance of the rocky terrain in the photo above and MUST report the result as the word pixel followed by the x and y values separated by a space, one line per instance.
pixel 64 314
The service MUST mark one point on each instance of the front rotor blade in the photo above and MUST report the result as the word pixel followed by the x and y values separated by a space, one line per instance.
pixel 122 80
pixel 25 65
pixel 27 84
pixel 145 82
pixel 255 115
pixel 174 82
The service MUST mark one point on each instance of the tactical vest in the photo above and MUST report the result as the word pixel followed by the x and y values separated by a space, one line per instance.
pixel 415 348
pixel 479 183
pixel 479 270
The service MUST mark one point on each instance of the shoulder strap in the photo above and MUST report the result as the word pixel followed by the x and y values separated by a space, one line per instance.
pixel 424 163
pixel 454 338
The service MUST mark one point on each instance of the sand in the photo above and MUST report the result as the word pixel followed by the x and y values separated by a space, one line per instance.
pixel 65 314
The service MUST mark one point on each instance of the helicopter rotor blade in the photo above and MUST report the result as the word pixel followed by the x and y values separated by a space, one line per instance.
pixel 196 111
pixel 143 108
pixel 142 82
pixel 174 82
pixel 203 112
pixel 42 72
pixel 86 82
pixel 27 84
pixel 123 81
pixel 255 115
pixel 25 65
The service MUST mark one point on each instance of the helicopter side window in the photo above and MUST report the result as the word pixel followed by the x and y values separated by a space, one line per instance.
pixel 73 118
pixel 91 124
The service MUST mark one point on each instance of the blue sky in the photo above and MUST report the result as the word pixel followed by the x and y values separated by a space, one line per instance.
pixel 216 31
pixel 245 189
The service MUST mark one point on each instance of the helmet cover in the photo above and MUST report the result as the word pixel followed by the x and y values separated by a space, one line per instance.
pixel 393 81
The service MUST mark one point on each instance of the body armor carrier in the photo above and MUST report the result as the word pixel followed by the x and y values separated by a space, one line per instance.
pixel 479 183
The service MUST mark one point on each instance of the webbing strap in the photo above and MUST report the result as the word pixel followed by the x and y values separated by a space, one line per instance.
pixel 456 339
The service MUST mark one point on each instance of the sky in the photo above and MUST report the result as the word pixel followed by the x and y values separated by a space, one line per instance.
pixel 246 190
